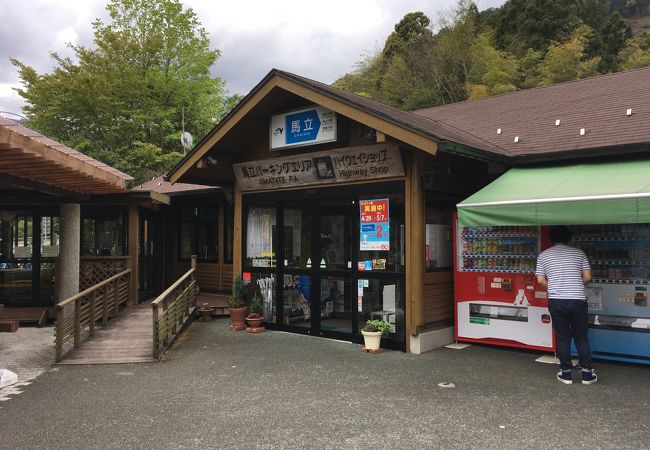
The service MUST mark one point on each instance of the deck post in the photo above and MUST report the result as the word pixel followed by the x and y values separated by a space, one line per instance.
pixel 91 324
pixel 77 323
pixel 60 318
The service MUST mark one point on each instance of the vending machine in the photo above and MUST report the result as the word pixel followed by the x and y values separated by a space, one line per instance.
pixel 617 297
pixel 496 297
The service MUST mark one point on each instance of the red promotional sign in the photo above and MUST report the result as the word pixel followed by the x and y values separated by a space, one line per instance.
pixel 374 210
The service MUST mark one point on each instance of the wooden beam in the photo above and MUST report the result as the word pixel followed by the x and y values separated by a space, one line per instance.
pixel 133 246
pixel 31 185
pixel 221 238
pixel 237 256
pixel 59 154
pixel 415 230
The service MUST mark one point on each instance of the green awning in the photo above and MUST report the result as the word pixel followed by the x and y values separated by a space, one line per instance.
pixel 613 192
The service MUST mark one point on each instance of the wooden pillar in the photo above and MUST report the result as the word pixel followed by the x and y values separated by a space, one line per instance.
pixel 237 256
pixel 414 202
pixel 221 239
pixel 134 246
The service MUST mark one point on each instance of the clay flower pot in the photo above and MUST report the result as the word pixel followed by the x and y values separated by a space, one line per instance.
pixel 254 323
pixel 237 319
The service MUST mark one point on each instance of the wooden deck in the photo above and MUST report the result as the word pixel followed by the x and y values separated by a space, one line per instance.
pixel 126 339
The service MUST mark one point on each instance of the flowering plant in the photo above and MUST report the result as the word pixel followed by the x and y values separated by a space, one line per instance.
pixel 253 315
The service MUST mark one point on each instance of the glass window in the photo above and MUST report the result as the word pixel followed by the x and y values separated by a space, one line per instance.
pixel 263 284
pixel 49 236
pixel 228 228
pixel 297 238
pixel 199 233
pixel 382 300
pixel 438 247
pixel 297 300
pixel 392 259
pixel 260 245
pixel 103 233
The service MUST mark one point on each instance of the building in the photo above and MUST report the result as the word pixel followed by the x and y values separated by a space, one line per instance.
pixel 300 229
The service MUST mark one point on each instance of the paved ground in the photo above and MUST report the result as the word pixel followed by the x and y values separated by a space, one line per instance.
pixel 221 389
pixel 28 353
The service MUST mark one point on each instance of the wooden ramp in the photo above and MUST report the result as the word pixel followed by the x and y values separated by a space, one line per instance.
pixel 126 339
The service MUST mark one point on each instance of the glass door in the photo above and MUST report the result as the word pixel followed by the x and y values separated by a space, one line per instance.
pixel 334 229
pixel 298 265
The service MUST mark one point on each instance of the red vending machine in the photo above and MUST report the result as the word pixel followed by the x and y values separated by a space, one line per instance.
pixel 496 297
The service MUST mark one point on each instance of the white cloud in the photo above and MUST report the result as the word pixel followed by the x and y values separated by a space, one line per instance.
pixel 320 40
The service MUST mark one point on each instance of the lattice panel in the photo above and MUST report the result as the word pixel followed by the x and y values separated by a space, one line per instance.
pixel 95 270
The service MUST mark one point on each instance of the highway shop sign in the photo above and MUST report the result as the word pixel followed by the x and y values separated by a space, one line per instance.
pixel 315 125
pixel 364 163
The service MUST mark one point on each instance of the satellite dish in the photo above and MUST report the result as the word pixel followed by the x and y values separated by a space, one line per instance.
pixel 186 140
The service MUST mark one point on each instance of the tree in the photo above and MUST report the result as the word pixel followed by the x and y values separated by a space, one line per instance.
pixel 565 61
pixel 413 26
pixel 614 34
pixel 149 66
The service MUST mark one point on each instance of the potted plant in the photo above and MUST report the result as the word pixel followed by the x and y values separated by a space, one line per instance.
pixel 254 317
pixel 372 332
pixel 205 312
pixel 237 305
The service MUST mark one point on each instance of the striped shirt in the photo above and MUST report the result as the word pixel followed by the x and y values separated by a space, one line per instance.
pixel 563 265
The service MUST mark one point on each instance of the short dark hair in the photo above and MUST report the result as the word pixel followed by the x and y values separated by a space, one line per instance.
pixel 559 234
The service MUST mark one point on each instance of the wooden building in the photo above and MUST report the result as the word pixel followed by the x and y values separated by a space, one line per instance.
pixel 346 223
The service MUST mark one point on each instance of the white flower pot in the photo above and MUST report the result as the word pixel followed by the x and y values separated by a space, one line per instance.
pixel 372 339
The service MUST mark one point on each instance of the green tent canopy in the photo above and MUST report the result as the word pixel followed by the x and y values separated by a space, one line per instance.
pixel 594 193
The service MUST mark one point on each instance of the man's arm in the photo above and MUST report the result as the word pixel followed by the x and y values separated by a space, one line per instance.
pixel 586 276
pixel 542 281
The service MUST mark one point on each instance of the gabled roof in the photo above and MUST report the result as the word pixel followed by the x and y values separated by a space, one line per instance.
pixel 420 132
pixel 29 156
pixel 598 104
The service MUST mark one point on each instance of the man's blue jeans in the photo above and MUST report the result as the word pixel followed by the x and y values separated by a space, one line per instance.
pixel 570 321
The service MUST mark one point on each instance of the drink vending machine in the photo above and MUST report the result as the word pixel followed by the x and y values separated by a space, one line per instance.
pixel 496 296
pixel 617 297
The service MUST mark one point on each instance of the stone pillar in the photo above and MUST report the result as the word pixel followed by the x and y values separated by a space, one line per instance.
pixel 67 267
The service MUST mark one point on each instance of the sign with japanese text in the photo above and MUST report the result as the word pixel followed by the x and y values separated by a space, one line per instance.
pixel 332 166
pixel 374 228
pixel 315 125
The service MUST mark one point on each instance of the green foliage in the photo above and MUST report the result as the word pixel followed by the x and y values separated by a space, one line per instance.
pixel 124 98
pixel 238 299
pixel 256 304
pixel 375 325
pixel 523 44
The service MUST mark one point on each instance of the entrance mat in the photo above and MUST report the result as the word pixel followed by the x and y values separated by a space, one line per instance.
pixel 457 346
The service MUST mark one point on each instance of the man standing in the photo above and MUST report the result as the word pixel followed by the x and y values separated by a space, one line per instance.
pixel 564 271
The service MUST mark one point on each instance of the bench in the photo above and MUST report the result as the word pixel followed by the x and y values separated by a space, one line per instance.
pixel 24 315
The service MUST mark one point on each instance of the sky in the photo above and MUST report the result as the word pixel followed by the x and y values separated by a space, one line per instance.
pixel 318 40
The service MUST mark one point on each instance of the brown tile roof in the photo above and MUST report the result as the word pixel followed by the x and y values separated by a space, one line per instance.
pixel 427 126
pixel 161 186
pixel 596 104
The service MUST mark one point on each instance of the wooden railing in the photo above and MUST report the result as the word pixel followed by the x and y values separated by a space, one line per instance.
pixel 172 309
pixel 84 309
